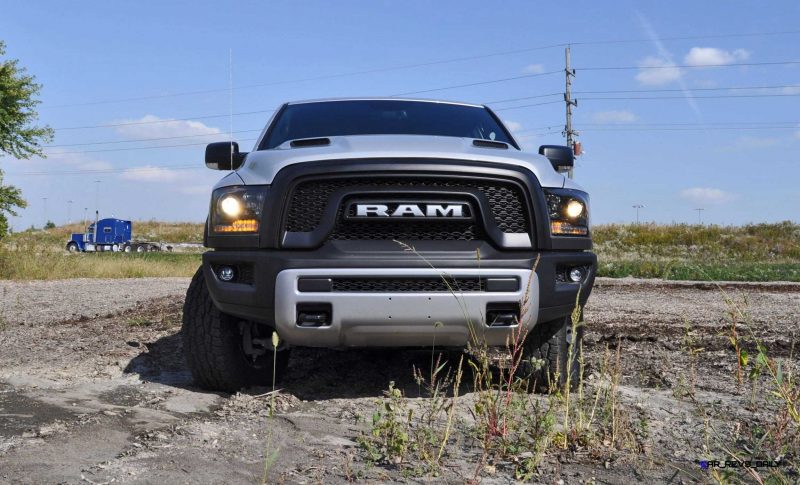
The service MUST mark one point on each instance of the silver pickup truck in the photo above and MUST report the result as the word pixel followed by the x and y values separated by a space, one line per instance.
pixel 386 222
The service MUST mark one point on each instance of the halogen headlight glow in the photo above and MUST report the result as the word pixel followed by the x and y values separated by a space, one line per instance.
pixel 230 206
pixel 569 212
pixel 237 209
pixel 574 209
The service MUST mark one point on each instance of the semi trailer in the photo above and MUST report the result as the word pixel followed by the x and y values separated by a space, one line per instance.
pixel 109 234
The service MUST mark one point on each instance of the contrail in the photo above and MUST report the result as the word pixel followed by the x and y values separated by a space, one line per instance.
pixel 666 54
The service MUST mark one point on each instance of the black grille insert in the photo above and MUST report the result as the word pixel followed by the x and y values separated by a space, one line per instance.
pixel 309 199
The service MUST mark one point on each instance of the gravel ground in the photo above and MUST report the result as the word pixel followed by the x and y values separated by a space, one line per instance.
pixel 52 301
pixel 93 389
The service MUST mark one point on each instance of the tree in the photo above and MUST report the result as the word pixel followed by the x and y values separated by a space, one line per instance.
pixel 20 136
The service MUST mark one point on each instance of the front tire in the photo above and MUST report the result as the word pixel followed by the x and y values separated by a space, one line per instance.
pixel 214 342
pixel 546 355
pixel 72 247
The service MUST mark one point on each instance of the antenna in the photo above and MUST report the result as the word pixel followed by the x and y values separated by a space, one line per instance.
pixel 230 98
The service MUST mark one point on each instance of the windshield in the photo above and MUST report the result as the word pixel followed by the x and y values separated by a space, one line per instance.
pixel 383 117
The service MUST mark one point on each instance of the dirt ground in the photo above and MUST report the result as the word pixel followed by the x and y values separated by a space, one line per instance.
pixel 93 389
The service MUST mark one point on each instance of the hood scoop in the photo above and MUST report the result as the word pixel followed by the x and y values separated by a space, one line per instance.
pixel 310 142
pixel 490 144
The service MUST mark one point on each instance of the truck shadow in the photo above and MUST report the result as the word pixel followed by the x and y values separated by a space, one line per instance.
pixel 314 374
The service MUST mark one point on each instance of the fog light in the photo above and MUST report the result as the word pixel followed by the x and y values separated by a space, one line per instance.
pixel 576 275
pixel 226 273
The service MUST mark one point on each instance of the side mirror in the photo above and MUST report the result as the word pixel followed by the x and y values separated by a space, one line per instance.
pixel 561 157
pixel 224 155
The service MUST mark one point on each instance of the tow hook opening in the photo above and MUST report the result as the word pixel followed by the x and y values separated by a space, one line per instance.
pixel 257 340
pixel 502 314
pixel 313 315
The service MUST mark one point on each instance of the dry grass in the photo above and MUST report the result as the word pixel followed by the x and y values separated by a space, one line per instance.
pixel 757 252
pixel 41 254
pixel 170 232
pixel 754 252
pixel 48 265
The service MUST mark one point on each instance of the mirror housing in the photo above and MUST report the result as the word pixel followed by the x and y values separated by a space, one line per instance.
pixel 561 157
pixel 224 155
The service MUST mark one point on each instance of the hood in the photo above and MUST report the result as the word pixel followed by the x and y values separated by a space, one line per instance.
pixel 261 166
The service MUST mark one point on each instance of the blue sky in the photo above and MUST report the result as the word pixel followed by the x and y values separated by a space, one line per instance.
pixel 734 157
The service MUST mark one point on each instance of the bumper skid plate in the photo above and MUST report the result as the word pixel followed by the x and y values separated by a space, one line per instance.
pixel 396 319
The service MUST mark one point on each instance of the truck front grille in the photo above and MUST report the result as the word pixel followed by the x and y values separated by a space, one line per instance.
pixel 310 198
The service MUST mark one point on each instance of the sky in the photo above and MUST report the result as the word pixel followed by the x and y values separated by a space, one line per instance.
pixel 134 90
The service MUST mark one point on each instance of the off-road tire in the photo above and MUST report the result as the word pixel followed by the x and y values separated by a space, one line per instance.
pixel 212 343
pixel 545 355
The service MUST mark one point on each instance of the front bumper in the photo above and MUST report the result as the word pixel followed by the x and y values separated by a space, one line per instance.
pixel 395 319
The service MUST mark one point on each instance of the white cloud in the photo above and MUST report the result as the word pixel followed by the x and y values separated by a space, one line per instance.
pixel 61 157
pixel 150 173
pixel 711 56
pixel 662 71
pixel 614 116
pixel 534 69
pixel 513 126
pixel 151 126
pixel 791 90
pixel 706 195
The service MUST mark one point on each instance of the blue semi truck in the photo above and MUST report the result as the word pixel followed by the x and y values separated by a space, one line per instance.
pixel 109 234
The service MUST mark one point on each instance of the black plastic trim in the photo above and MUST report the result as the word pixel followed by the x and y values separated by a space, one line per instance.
pixel 315 285
pixel 257 302
pixel 502 284
pixel 276 205
pixel 490 144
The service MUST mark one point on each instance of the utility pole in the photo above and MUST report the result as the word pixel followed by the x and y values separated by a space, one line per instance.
pixel 569 133
pixel 45 210
pixel 637 207
pixel 97 195
pixel 699 212
pixel 85 216
pixel 69 210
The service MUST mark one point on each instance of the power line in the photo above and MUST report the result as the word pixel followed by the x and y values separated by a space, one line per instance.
pixel 444 88
pixel 689 66
pixel 528 105
pixel 621 91
pixel 109 142
pixel 111 170
pixel 479 83
pixel 702 124
pixel 713 128
pixel 523 98
pixel 728 88
pixel 426 64
pixel 135 123
pixel 716 96
pixel 140 148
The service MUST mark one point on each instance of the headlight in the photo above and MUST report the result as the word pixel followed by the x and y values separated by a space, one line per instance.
pixel 569 212
pixel 237 209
